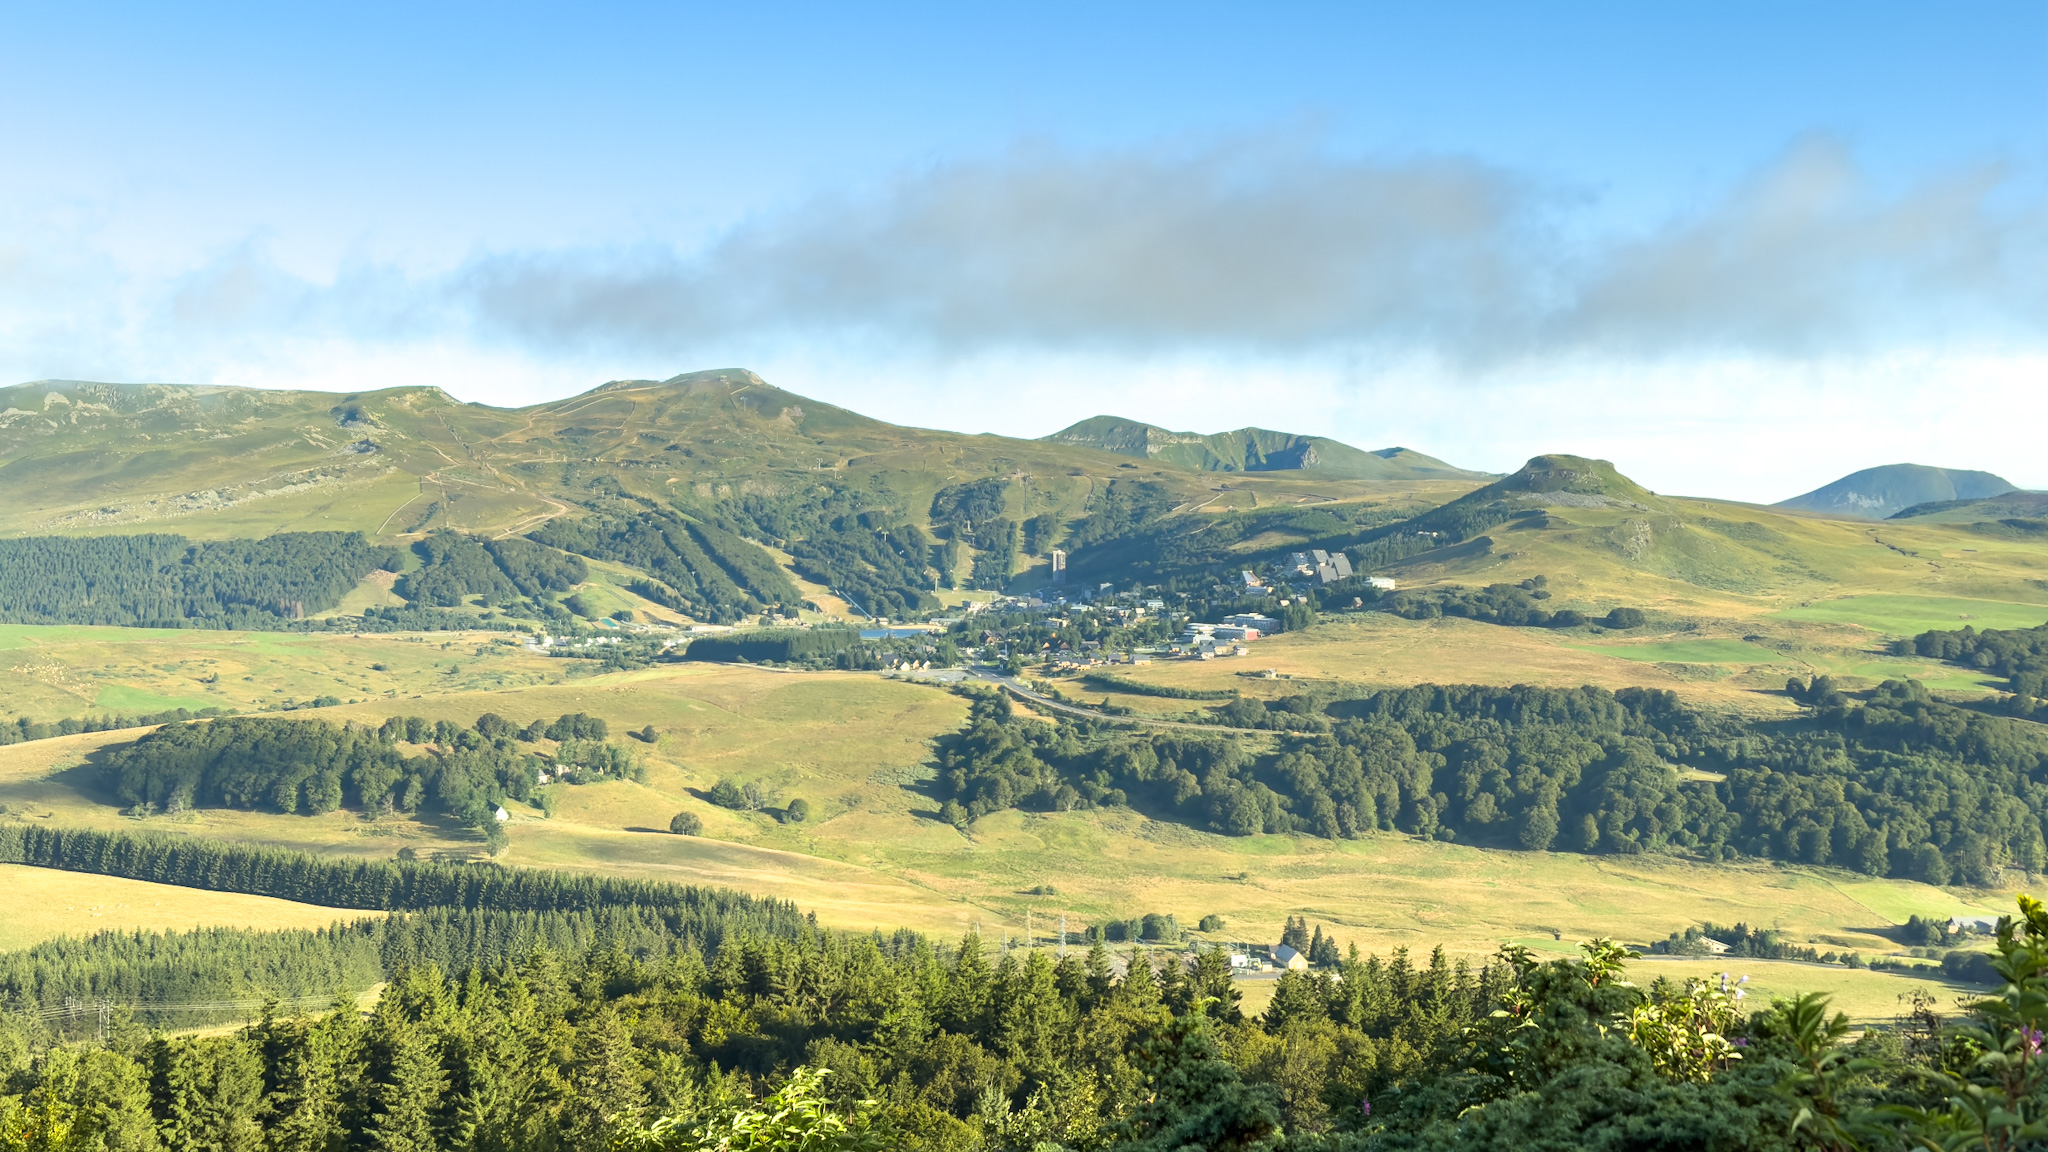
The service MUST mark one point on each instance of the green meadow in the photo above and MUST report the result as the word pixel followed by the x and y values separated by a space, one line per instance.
pixel 1895 615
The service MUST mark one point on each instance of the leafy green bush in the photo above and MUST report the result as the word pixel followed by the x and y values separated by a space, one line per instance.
pixel 1623 619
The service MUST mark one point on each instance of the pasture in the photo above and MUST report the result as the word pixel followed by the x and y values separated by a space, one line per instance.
pixel 44 902
pixel 1893 615
pixel 874 855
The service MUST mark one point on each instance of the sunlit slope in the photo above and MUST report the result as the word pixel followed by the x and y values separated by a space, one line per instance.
pixel 48 902
pixel 1601 539
pixel 86 457
pixel 874 854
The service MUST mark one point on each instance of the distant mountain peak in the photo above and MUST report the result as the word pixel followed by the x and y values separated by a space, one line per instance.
pixel 1254 450
pixel 1876 493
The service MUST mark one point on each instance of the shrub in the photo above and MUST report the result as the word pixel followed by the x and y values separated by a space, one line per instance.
pixel 646 735
pixel 798 810
pixel 1624 618
pixel 686 824
pixel 727 794
pixel 1162 929
pixel 1211 923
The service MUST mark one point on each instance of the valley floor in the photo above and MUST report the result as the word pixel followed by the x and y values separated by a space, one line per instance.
pixel 875 855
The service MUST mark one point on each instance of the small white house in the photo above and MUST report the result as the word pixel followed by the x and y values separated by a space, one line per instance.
pixel 1383 583
pixel 501 815
pixel 1286 957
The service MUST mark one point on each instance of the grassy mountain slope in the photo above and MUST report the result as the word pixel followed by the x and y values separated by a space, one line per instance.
pixel 88 458
pixel 2023 505
pixel 1603 539
pixel 1255 450
pixel 1875 493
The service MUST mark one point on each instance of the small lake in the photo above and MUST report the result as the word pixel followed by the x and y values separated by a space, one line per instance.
pixel 891 633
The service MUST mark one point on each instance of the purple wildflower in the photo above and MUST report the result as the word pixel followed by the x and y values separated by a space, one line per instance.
pixel 2032 1039
pixel 1742 1041
pixel 1365 1106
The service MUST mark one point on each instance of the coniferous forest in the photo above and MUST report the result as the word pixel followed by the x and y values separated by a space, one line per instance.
pixel 162 581
pixel 533 1010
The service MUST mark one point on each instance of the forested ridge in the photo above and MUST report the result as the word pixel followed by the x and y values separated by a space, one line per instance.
pixel 701 569
pixel 160 581
pixel 1895 785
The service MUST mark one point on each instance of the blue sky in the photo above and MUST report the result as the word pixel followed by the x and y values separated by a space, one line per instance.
pixel 1739 249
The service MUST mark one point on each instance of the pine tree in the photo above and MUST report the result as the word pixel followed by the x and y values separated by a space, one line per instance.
pixel 607 1094
pixel 408 1100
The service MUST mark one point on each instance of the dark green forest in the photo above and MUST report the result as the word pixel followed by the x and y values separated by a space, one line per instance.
pixel 1518 605
pixel 1895 785
pixel 162 581
pixel 456 569
pixel 2019 654
pixel 25 728
pixel 313 766
pixel 540 1011
pixel 821 648
pixel 702 569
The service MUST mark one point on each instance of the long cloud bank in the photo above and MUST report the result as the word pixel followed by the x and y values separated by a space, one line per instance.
pixel 1284 249
pixel 1250 247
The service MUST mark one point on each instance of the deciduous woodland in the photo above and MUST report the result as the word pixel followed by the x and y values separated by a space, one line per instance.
pixel 1898 785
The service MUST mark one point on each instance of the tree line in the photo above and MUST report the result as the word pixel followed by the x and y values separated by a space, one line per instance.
pixel 844 649
pixel 24 728
pixel 2018 654
pixel 157 580
pixel 313 766
pixel 701 569
pixel 456 569
pixel 1897 784
pixel 824 1042
pixel 381 885
pixel 1518 605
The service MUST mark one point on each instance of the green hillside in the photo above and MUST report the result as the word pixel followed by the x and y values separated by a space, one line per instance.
pixel 1603 539
pixel 1875 493
pixel 711 495
pixel 2014 515
pixel 1255 450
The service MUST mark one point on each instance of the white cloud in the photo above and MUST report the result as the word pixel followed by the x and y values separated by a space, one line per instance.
pixel 1805 324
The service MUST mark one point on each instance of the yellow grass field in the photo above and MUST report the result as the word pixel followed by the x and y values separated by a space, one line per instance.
pixel 42 903
pixel 56 672
pixel 857 746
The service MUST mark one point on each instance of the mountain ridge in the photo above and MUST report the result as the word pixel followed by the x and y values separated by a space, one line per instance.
pixel 85 456
pixel 1252 449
